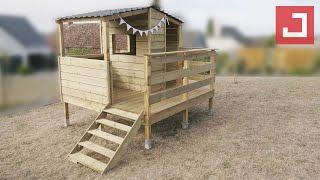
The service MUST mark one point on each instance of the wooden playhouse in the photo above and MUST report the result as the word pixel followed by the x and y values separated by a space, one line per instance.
pixel 152 79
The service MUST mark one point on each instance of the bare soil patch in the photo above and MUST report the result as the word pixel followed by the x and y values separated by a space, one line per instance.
pixel 262 128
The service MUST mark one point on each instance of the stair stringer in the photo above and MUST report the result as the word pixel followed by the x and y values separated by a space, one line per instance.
pixel 127 139
pixel 86 135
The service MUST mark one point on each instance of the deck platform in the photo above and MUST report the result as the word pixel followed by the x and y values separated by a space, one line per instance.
pixel 132 101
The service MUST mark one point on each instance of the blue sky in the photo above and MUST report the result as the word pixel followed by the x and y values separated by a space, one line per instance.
pixel 252 17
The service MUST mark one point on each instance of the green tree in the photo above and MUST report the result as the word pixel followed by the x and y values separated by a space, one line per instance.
pixel 156 3
pixel 210 27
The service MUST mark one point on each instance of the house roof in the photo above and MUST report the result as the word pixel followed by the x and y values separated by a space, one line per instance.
pixel 234 33
pixel 106 13
pixel 21 30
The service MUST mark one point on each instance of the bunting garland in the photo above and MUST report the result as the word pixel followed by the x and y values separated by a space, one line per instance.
pixel 146 32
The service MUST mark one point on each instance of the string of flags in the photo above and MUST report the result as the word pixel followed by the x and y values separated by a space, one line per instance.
pixel 145 32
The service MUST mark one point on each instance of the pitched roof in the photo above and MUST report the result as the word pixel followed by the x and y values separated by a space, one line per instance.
pixel 237 35
pixel 106 13
pixel 21 30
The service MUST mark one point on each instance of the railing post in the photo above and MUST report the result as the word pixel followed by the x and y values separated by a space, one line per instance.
pixel 147 107
pixel 212 75
pixel 185 113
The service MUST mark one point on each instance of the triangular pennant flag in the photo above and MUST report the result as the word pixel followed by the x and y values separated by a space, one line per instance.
pixel 159 25
pixel 122 21
pixel 128 27
pixel 140 32
pixel 167 21
pixel 163 20
pixel 151 30
pixel 156 28
pixel 146 32
pixel 134 30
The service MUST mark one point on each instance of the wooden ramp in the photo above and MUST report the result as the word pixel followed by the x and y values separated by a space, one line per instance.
pixel 113 157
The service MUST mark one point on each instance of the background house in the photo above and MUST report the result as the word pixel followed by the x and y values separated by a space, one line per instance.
pixel 227 39
pixel 22 44
pixel 194 39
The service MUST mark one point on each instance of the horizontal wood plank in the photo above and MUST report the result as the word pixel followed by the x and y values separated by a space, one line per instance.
pixel 84 79
pixel 84 87
pixel 84 95
pixel 127 59
pixel 84 103
pixel 106 136
pixel 168 76
pixel 163 95
pixel 97 148
pixel 81 62
pixel 177 107
pixel 84 71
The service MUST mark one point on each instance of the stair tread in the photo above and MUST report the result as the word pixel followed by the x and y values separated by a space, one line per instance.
pixel 97 148
pixel 106 136
pixel 122 113
pixel 88 161
pixel 113 124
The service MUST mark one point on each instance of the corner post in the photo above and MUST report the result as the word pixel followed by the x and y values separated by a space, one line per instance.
pixel 106 52
pixel 185 113
pixel 62 53
pixel 147 91
pixel 147 106
pixel 212 75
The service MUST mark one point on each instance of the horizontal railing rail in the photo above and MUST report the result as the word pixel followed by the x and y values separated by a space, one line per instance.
pixel 190 68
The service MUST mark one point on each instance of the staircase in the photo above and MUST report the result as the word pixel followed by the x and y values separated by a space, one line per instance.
pixel 78 156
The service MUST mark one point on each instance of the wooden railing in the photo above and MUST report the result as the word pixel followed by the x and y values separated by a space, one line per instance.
pixel 190 68
pixel 85 82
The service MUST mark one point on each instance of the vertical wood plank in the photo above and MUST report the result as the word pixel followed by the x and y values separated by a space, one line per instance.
pixel 147 73
pixel 212 75
pixel 62 54
pixel 61 40
pixel 147 92
pixel 149 26
pixel 101 38
pixel 185 97
pixel 106 52
pixel 66 113
pixel 179 47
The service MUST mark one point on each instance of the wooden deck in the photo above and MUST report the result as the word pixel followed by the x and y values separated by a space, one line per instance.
pixel 132 101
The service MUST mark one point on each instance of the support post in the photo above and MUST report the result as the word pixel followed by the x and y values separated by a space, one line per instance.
pixel 185 113
pixel 147 106
pixel 66 113
pixel 62 53
pixel 212 75
pixel 106 52
pixel 147 92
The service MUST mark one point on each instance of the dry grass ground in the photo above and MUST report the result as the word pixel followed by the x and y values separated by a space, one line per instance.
pixel 262 128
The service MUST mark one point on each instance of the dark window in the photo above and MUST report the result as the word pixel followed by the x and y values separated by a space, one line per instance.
pixel 124 44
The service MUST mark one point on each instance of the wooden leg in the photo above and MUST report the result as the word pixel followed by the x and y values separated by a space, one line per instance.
pixel 147 133
pixel 210 103
pixel 185 123
pixel 66 113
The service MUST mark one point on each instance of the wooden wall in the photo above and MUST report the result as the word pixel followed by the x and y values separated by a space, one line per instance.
pixel 158 44
pixel 83 82
pixel 128 70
